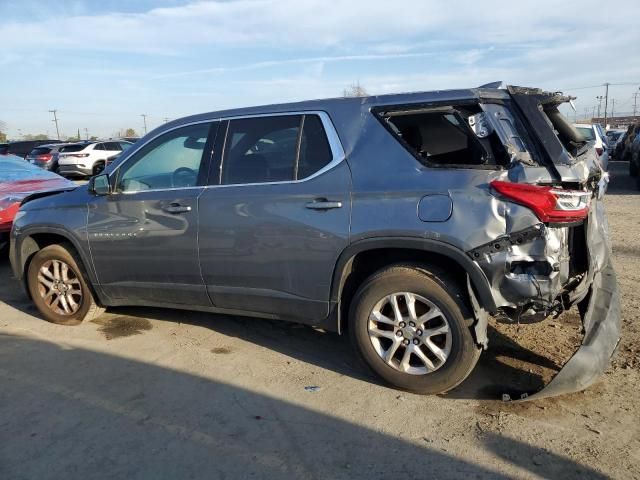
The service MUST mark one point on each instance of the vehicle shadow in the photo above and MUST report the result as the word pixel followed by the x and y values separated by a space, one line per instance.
pixel 492 377
pixel 75 413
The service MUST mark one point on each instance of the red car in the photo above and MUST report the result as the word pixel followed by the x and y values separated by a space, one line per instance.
pixel 19 179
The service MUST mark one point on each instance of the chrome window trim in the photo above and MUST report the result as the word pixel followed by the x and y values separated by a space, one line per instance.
pixel 335 145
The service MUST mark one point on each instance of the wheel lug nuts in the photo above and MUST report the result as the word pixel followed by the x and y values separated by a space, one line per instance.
pixel 399 333
pixel 405 342
pixel 419 332
pixel 416 341
pixel 412 324
pixel 402 324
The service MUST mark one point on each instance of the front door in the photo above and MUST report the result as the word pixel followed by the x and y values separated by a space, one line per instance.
pixel 143 236
pixel 276 218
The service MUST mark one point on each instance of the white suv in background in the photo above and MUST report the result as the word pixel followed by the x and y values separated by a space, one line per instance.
pixel 87 158
pixel 595 132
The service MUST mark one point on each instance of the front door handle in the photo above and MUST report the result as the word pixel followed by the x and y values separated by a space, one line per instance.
pixel 323 204
pixel 177 208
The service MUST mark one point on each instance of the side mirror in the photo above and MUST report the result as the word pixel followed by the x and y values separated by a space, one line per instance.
pixel 99 185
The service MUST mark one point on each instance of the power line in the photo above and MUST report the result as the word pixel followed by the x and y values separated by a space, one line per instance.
pixel 635 102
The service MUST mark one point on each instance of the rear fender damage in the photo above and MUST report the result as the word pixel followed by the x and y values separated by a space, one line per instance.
pixel 536 270
pixel 541 271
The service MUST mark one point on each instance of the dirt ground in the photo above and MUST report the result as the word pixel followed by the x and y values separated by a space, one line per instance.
pixel 151 393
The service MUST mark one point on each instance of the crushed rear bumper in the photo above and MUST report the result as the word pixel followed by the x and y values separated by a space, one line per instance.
pixel 602 324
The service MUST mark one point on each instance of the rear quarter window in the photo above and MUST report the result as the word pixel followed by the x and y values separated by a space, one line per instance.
pixel 73 148
pixel 442 137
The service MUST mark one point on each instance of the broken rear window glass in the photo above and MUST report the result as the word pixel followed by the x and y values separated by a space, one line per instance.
pixel 442 136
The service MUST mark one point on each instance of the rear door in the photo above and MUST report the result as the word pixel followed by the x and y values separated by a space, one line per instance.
pixel 144 236
pixel 276 216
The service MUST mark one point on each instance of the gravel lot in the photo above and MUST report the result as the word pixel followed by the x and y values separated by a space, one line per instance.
pixel 150 393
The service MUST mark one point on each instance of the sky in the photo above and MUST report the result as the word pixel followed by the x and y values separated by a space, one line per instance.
pixel 102 64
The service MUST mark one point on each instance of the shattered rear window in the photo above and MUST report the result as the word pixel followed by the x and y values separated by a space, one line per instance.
pixel 442 136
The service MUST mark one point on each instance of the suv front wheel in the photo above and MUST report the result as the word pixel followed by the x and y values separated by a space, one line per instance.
pixel 412 328
pixel 58 287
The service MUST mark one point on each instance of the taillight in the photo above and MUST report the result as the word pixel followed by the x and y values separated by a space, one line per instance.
pixel 599 151
pixel 45 157
pixel 551 205
pixel 78 155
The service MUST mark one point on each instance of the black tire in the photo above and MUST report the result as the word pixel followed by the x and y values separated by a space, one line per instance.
pixel 87 309
pixel 444 293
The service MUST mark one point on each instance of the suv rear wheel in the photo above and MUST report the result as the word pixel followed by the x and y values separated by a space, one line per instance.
pixel 58 287
pixel 412 328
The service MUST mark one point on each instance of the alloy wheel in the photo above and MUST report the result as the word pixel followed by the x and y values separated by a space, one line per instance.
pixel 410 333
pixel 59 287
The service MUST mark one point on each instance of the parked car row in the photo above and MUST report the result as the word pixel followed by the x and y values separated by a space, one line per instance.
pixel 24 147
pixel 88 158
pixel 77 159
pixel 404 220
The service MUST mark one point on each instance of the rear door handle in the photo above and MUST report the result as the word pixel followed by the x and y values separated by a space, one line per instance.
pixel 323 204
pixel 177 208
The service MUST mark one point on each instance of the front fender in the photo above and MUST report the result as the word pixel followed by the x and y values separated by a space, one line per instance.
pixel 23 246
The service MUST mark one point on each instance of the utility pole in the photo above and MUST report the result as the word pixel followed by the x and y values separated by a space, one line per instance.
pixel 599 98
pixel 55 119
pixel 144 119
pixel 166 120
pixel 86 133
pixel 594 112
pixel 635 102
pixel 586 112
pixel 606 102
pixel 613 107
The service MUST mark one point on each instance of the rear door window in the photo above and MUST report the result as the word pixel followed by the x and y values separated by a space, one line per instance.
pixel 315 152
pixel 113 146
pixel 274 149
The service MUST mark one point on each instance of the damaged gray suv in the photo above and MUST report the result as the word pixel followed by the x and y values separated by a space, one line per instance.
pixel 404 220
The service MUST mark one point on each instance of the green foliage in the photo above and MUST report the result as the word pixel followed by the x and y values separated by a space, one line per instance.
pixel 39 136
pixel 130 132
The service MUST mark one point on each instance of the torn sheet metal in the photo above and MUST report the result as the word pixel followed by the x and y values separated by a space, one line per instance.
pixel 602 322
pixel 539 269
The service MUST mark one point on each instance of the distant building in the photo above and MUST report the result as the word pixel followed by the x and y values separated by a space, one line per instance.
pixel 617 122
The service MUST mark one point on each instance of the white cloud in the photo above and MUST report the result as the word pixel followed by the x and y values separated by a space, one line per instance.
pixel 291 24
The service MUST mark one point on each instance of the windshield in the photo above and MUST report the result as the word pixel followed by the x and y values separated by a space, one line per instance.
pixel 614 135
pixel 587 132
pixel 40 151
